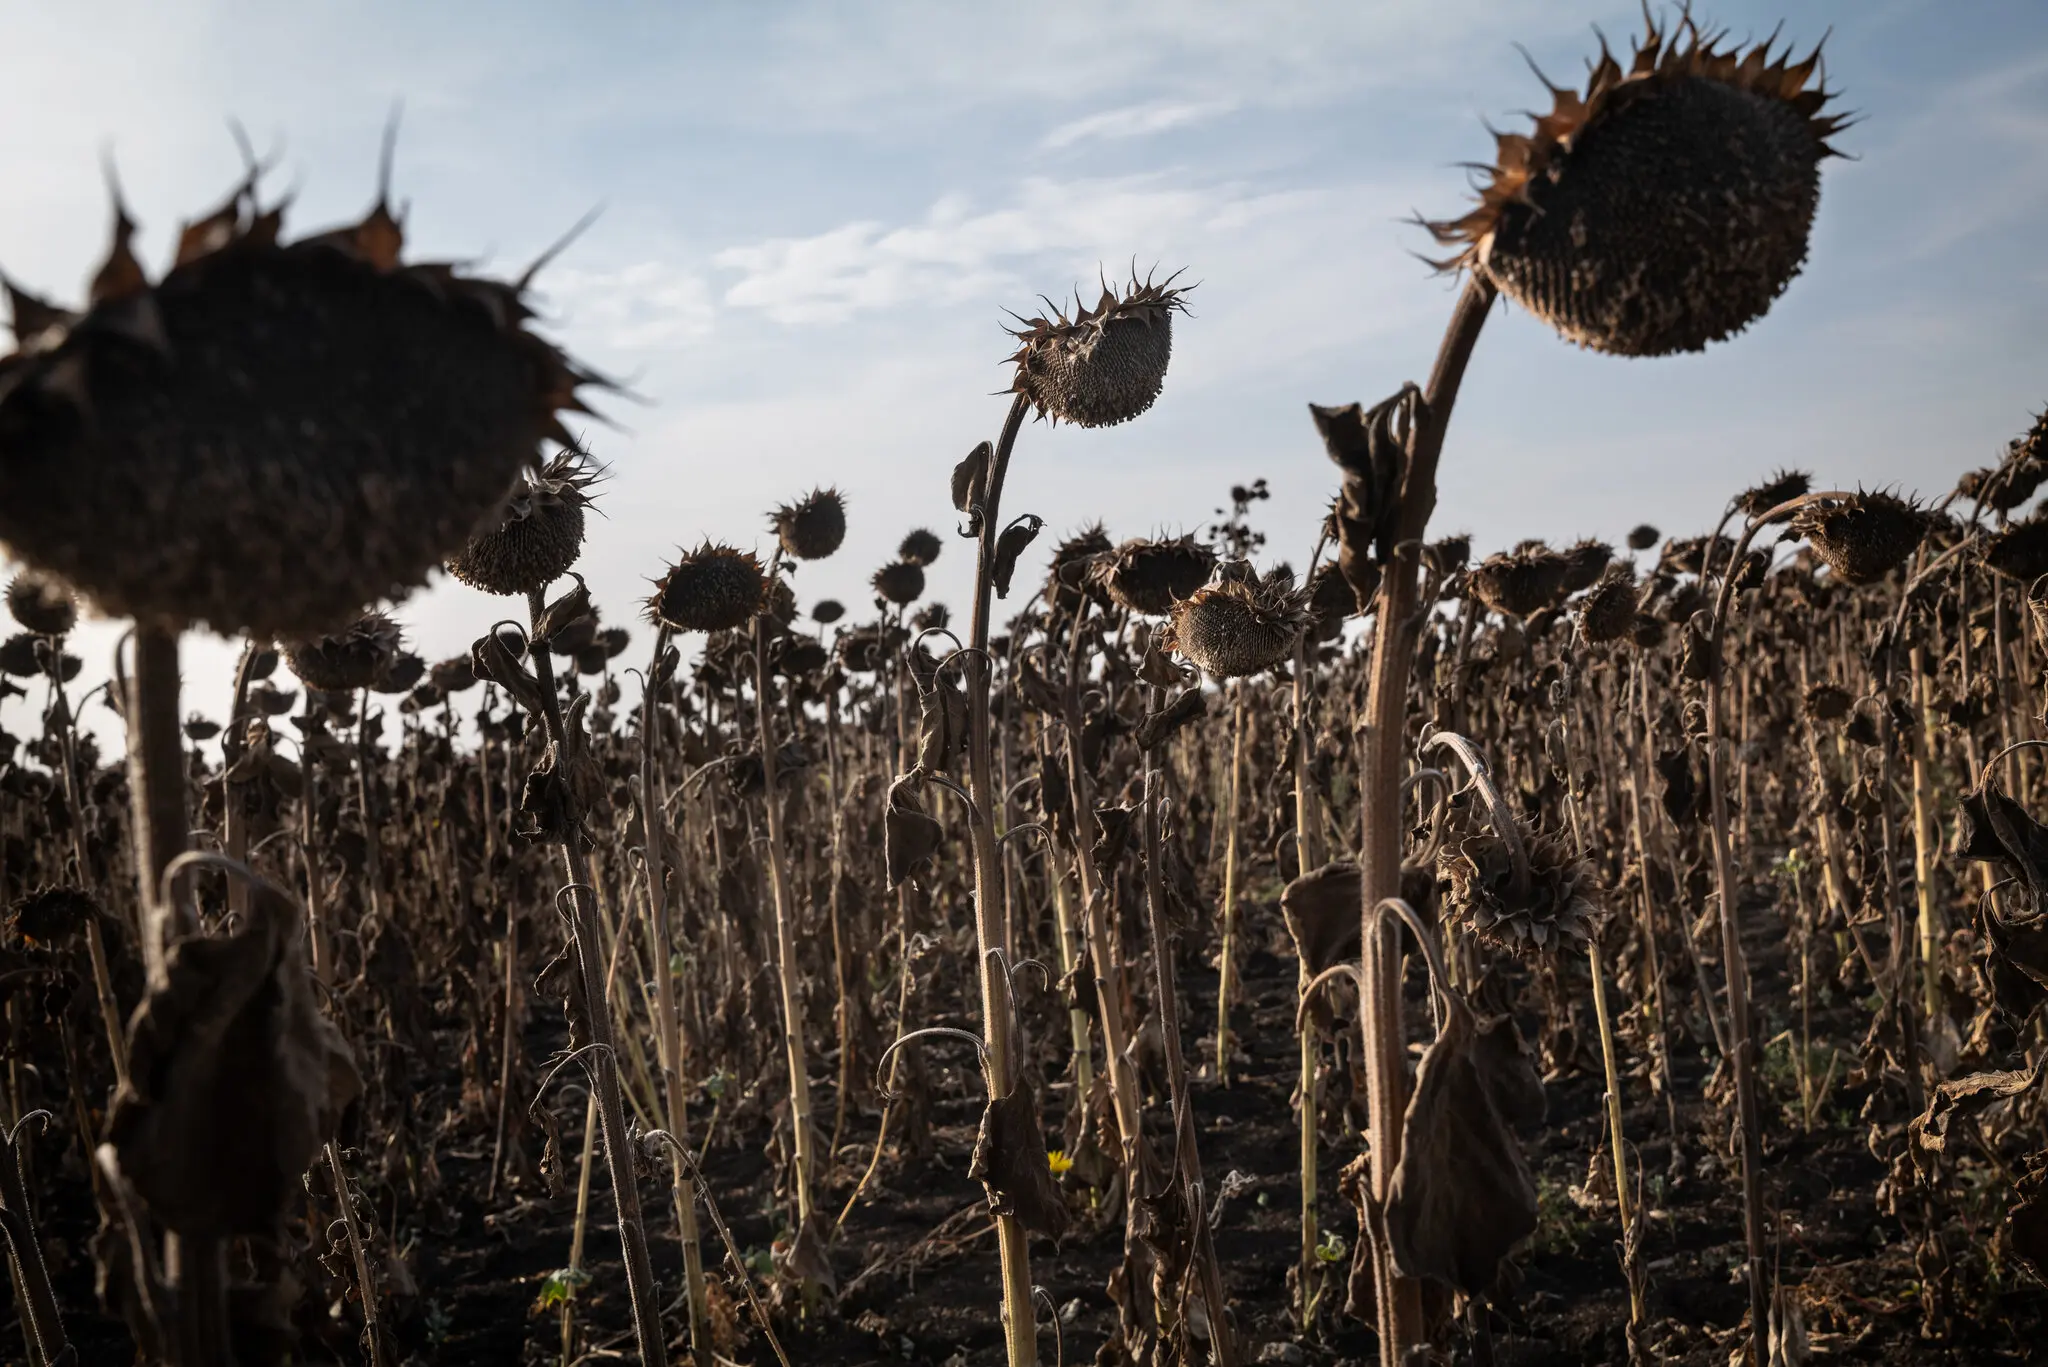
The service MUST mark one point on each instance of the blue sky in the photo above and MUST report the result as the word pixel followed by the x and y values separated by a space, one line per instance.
pixel 816 216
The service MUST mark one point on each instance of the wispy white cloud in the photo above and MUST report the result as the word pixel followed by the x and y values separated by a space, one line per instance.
pixel 647 306
pixel 1134 121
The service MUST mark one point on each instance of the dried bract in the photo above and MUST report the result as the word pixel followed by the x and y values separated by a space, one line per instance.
pixel 1106 364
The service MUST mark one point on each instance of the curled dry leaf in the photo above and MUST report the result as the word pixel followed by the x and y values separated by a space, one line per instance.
pixel 236 1079
pixel 1010 1160
pixel 1462 1197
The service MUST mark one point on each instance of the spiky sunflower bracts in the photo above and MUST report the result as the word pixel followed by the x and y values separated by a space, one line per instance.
pixel 1863 538
pixel 1149 577
pixel 713 588
pixel 538 534
pixel 1608 613
pixel 1557 906
pixel 1667 206
pixel 1106 364
pixel 1521 582
pixel 900 582
pixel 812 527
pixel 274 433
pixel 42 605
pixel 354 657
pixel 1233 627
pixel 920 547
pixel 2019 550
pixel 1782 487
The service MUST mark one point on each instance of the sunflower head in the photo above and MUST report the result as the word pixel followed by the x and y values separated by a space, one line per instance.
pixel 713 588
pixel 536 536
pixel 1521 582
pixel 1105 365
pixel 1148 577
pixel 343 661
pixel 900 582
pixel 812 527
pixel 41 604
pixel 272 433
pixel 1665 207
pixel 920 547
pixel 1865 537
pixel 1238 626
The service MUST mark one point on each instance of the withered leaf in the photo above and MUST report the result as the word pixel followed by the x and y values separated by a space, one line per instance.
pixel 1112 837
pixel 1010 1160
pixel 1967 1096
pixel 941 726
pixel 1158 727
pixel 969 477
pixel 1324 911
pixel 910 838
pixel 1462 1197
pixel 1009 546
pixel 236 1079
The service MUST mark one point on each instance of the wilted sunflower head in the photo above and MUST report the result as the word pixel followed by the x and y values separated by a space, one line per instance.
pixel 812 527
pixel 713 588
pixel 343 661
pixel 1554 906
pixel 1106 364
pixel 52 915
pixel 1608 613
pixel 1863 538
pixel 41 604
pixel 534 539
pixel 1521 582
pixel 273 433
pixel 1149 577
pixel 1666 207
pixel 1583 562
pixel 901 582
pixel 1782 487
pixel 1070 578
pixel 1236 626
pixel 1827 702
pixel 826 611
pixel 2019 550
pixel 920 547
pixel 1643 536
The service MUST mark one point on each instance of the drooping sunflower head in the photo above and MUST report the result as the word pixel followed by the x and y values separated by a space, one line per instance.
pixel 538 534
pixel 272 433
pixel 920 546
pixel 713 588
pixel 1106 364
pixel 41 604
pixel 1148 577
pixel 1521 582
pixel 343 661
pixel 1665 207
pixel 900 582
pixel 1235 626
pixel 1865 537
pixel 812 527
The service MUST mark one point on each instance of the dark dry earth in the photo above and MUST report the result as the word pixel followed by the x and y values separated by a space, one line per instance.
pixel 916 1260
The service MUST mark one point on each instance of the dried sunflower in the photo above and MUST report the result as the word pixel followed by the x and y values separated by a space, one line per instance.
pixel 274 433
pixel 812 527
pixel 2019 550
pixel 535 538
pixel 41 604
pixel 1782 487
pixel 901 583
pixel 52 915
pixel 1522 582
pixel 348 659
pixel 1069 580
pixel 1863 538
pixel 1106 364
pixel 920 547
pixel 713 588
pixel 1665 208
pixel 1555 905
pixel 1236 627
pixel 1149 577
pixel 1608 613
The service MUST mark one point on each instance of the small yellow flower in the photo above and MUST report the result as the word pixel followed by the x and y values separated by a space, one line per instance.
pixel 1058 1161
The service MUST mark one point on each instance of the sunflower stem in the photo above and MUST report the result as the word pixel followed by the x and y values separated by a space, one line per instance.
pixel 588 942
pixel 1380 763
pixel 991 916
